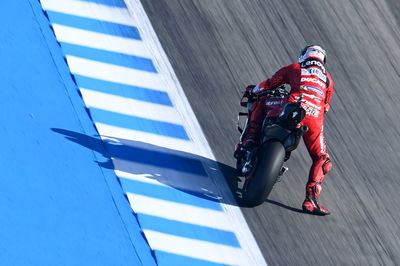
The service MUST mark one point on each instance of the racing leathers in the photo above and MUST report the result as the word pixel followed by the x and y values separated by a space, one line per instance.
pixel 310 80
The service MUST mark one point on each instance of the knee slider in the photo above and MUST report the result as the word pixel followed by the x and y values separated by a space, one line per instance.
pixel 327 166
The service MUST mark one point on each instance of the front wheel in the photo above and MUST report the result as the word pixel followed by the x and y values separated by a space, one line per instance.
pixel 259 185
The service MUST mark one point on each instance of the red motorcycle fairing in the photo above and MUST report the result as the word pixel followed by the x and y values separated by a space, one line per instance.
pixel 274 106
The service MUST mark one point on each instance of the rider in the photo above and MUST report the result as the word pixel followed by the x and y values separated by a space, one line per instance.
pixel 309 79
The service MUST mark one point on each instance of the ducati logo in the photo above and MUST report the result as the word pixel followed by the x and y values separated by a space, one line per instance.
pixel 314 80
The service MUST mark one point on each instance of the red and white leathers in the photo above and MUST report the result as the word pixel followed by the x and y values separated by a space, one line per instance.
pixel 314 83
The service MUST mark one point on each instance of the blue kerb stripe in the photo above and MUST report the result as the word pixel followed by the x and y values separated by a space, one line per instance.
pixel 191 231
pixel 165 258
pixel 115 3
pixel 94 25
pixel 139 123
pixel 135 62
pixel 170 194
pixel 123 90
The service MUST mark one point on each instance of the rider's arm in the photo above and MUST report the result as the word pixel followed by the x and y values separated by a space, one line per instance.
pixel 329 92
pixel 275 81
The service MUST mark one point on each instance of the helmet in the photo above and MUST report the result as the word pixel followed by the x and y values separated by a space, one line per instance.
pixel 312 51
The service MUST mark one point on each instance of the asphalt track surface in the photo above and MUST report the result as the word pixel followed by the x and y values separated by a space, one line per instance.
pixel 217 47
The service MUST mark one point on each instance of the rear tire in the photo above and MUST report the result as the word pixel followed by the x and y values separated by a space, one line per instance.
pixel 259 185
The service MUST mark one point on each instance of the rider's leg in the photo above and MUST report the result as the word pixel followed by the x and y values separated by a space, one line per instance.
pixel 253 128
pixel 315 143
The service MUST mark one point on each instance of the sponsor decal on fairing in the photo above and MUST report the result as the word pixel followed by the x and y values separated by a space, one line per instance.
pixel 273 102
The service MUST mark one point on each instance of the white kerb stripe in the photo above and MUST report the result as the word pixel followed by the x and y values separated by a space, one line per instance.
pixel 179 212
pixel 152 178
pixel 89 10
pixel 101 41
pixel 145 178
pixel 195 248
pixel 114 73
pixel 130 107
pixel 154 139
pixel 161 178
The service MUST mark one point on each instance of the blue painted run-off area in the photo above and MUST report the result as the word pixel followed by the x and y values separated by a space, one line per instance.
pixel 60 195
pixel 57 205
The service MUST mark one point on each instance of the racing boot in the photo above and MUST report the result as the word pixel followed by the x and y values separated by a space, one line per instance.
pixel 238 151
pixel 310 204
pixel 250 140
pixel 249 148
pixel 244 148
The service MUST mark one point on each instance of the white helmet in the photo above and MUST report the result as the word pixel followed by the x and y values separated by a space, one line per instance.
pixel 312 51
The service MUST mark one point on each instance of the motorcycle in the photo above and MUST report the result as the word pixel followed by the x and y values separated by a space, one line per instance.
pixel 263 166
